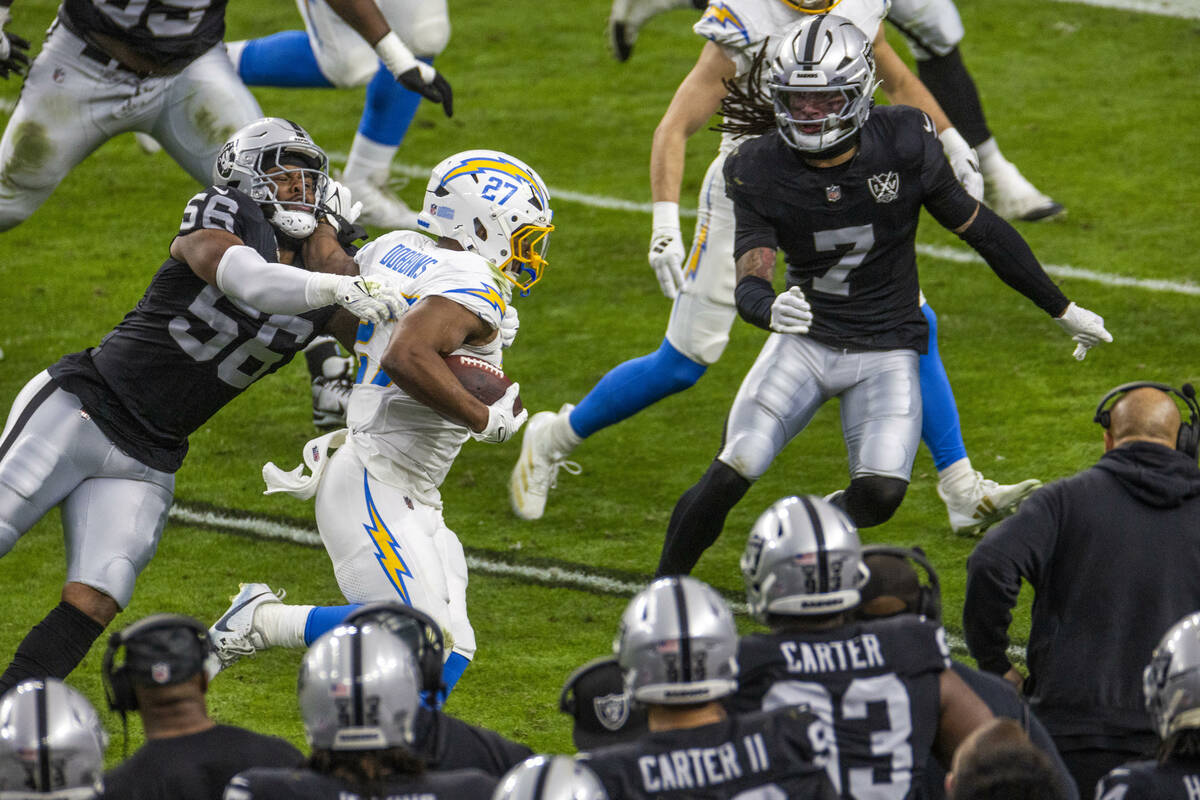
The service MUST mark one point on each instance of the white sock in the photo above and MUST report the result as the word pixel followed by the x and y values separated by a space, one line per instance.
pixel 235 52
pixel 280 624
pixel 563 438
pixel 959 471
pixel 369 160
pixel 990 157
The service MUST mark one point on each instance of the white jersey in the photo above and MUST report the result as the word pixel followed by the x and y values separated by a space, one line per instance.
pixel 742 27
pixel 400 439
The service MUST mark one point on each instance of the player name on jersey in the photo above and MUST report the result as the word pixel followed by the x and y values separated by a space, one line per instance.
pixel 858 652
pixel 406 261
pixel 699 767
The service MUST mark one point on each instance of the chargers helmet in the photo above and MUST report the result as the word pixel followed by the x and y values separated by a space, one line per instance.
pixel 811 6
pixel 803 557
pixel 677 643
pixel 1171 681
pixel 550 778
pixel 494 205
pixel 271 143
pixel 822 84
pixel 358 689
pixel 51 743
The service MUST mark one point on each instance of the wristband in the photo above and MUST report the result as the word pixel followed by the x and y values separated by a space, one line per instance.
pixel 394 55
pixel 666 215
pixel 953 142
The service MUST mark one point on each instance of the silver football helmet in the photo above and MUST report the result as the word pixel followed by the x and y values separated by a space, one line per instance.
pixel 822 83
pixel 677 643
pixel 265 154
pixel 1171 681
pixel 51 743
pixel 803 557
pixel 358 689
pixel 495 205
pixel 550 778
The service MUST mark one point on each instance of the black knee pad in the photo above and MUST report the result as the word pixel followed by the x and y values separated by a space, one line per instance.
pixel 873 499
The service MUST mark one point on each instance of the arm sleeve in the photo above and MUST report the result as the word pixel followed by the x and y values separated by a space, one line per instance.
pixel 754 297
pixel 274 288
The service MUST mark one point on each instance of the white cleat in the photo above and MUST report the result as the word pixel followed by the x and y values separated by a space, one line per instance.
pixel 627 16
pixel 536 471
pixel 381 208
pixel 985 503
pixel 233 634
pixel 1012 196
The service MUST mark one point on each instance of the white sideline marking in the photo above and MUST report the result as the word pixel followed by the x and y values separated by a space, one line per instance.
pixel 1184 9
pixel 548 575
pixel 953 254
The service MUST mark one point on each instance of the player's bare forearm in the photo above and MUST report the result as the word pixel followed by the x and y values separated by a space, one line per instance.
pixel 202 251
pixel 902 86
pixel 759 262
pixel 323 253
pixel 364 17
pixel 962 711
pixel 343 326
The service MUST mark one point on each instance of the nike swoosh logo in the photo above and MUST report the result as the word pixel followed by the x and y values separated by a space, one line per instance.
pixel 221 626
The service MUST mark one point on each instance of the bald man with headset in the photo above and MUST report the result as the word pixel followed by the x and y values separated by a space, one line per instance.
pixel 1113 557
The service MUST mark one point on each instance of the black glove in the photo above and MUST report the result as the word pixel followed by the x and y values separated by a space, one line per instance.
pixel 14 55
pixel 438 90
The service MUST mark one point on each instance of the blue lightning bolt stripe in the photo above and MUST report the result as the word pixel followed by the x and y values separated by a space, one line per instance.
pixel 387 551
pixel 470 166
pixel 724 16
pixel 486 293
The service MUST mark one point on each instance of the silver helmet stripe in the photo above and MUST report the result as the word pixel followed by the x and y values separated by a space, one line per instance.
pixel 685 638
pixel 822 551
pixel 356 678
pixel 810 43
pixel 539 787
pixel 43 728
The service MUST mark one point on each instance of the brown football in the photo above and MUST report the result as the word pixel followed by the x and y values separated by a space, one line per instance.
pixel 485 381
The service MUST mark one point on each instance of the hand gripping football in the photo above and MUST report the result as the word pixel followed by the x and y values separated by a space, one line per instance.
pixel 485 381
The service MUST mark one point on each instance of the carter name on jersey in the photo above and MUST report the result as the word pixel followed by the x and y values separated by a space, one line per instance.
pixel 698 767
pixel 859 652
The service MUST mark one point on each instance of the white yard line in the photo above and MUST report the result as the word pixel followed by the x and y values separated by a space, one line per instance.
pixel 1184 9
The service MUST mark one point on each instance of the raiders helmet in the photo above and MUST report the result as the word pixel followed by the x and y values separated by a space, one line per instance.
pixel 550 778
pixel 248 158
pixel 803 557
pixel 1171 681
pixel 677 643
pixel 822 83
pixel 51 743
pixel 494 205
pixel 358 689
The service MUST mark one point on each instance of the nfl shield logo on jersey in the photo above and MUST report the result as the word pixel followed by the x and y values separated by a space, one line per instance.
pixel 833 193
pixel 885 188
pixel 612 710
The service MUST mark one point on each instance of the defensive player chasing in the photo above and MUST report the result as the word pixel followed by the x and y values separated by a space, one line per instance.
pixel 102 431
pixel 839 188
pixel 378 507
pixel 702 287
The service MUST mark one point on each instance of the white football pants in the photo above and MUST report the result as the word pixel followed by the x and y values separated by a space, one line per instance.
pixel 931 27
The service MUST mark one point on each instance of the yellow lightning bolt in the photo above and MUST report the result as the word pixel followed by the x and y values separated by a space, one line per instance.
pixel 720 13
pixel 486 293
pixel 387 550
pixel 482 164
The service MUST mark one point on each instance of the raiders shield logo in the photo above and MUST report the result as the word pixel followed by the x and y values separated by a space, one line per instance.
pixel 612 710
pixel 885 188
pixel 833 193
pixel 225 161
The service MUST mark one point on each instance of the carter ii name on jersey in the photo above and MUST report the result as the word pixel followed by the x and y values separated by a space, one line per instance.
pixel 861 652
pixel 697 767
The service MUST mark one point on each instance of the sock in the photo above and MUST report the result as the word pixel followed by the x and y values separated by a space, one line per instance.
pixel 940 429
pixel 990 157
pixel 369 161
pixel 320 619
pixel 632 386
pixel 452 670
pixel 563 438
pixel 54 647
pixel 281 624
pixel 699 517
pixel 324 356
pixel 959 473
pixel 282 59
pixel 387 115
pixel 948 81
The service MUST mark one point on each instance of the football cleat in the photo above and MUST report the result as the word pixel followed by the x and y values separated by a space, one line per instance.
pixel 233 634
pixel 1007 192
pixel 627 16
pixel 984 502
pixel 536 471
pixel 380 206
pixel 329 398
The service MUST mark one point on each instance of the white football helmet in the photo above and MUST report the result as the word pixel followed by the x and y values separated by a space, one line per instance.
pixel 811 6
pixel 550 778
pixel 359 689
pixel 1171 681
pixel 677 643
pixel 803 557
pixel 260 155
pixel 494 205
pixel 51 743
pixel 822 82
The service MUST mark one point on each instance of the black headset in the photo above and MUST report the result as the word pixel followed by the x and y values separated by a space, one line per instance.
pixel 184 658
pixel 427 640
pixel 929 595
pixel 1188 441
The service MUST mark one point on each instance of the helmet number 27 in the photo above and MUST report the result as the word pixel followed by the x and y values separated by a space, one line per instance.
pixel 493 186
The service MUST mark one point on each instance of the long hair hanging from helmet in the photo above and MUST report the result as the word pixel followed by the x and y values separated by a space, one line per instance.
pixel 747 109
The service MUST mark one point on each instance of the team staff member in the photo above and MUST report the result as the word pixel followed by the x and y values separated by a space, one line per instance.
pixel 1113 556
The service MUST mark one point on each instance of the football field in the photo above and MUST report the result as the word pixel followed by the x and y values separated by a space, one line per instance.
pixel 1098 106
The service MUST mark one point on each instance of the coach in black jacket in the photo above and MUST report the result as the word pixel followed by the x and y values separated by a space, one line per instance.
pixel 1113 556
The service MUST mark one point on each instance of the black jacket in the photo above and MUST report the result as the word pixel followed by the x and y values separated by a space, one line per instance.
pixel 1113 556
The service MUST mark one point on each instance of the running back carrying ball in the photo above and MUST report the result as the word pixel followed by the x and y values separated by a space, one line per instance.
pixel 485 381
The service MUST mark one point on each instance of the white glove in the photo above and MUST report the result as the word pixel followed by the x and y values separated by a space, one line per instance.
pixel 791 313
pixel 964 161
pixel 370 300
pixel 503 421
pixel 1085 327
pixel 338 200
pixel 666 248
pixel 412 74
pixel 509 325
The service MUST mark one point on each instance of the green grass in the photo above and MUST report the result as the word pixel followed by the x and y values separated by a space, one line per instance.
pixel 1098 107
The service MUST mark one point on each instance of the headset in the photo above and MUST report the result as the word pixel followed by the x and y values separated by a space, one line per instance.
pixel 1188 441
pixel 183 657
pixel 929 595
pixel 427 640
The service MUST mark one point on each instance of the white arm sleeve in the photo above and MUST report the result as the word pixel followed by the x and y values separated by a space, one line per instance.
pixel 274 288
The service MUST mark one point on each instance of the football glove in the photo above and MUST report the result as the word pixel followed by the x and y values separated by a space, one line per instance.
pixel 1085 327
pixel 337 201
pixel 370 300
pixel 414 75
pixel 791 313
pixel 14 50
pixel 509 325
pixel 964 161
pixel 503 420
pixel 666 248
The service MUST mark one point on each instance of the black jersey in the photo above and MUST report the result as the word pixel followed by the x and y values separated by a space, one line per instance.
pixel 448 743
pixel 186 349
pixel 1149 780
pixel 764 754
pixel 849 232
pixel 170 34
pixel 876 683
pixel 304 784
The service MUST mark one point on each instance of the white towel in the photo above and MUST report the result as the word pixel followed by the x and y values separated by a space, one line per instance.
pixel 316 456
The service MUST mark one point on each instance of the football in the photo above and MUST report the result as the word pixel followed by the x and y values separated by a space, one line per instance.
pixel 485 381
